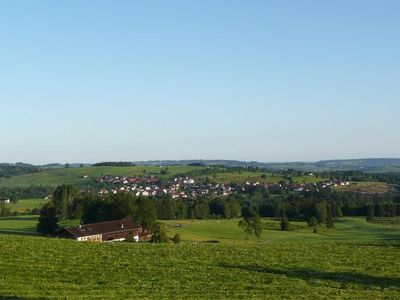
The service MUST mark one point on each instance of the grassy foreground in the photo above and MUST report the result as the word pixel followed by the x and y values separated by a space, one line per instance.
pixel 39 267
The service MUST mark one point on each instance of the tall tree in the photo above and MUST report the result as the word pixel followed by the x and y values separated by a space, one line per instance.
pixel 370 212
pixel 146 214
pixel 252 226
pixel 285 225
pixel 62 200
pixel 159 234
pixel 48 221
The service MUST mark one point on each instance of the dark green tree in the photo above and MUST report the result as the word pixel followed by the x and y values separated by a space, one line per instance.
pixel 329 219
pixel 285 224
pixel 48 221
pixel 252 226
pixel 62 200
pixel 177 238
pixel 321 212
pixel 146 213
pixel 235 210
pixel 159 234
pixel 370 212
pixel 312 222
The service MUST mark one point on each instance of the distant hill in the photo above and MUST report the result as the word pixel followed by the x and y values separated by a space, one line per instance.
pixel 367 165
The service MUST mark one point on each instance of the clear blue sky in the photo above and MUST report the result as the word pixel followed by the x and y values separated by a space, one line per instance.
pixel 87 81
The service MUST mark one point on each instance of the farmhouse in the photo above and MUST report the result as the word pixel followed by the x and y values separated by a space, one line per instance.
pixel 105 231
pixel 4 200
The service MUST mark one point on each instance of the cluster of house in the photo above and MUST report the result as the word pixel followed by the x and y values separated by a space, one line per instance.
pixel 177 187
pixel 185 187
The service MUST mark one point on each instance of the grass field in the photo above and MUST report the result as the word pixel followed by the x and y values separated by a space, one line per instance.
pixel 35 267
pixel 26 204
pixel 228 232
pixel 24 225
pixel 357 260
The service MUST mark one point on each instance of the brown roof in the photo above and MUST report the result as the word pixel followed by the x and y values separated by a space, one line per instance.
pixel 102 228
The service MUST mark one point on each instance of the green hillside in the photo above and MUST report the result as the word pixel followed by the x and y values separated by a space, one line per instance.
pixel 54 177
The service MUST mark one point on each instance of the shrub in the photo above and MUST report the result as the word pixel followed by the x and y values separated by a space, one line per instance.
pixel 159 234
pixel 177 238
pixel 312 222
pixel 130 238
pixel 285 225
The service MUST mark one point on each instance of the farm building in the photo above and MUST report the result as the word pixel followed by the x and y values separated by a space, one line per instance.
pixel 105 231
pixel 4 200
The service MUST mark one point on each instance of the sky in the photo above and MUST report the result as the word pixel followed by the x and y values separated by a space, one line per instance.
pixel 285 80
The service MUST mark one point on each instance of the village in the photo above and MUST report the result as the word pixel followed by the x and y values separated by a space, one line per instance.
pixel 186 187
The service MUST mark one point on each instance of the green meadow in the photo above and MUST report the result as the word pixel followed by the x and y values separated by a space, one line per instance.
pixel 216 259
pixel 34 267
pixel 26 204
pixel 347 229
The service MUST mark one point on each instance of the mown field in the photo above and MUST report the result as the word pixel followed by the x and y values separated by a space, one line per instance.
pixel 33 267
pixel 347 229
pixel 366 187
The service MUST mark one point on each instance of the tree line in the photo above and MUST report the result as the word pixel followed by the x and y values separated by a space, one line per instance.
pixel 315 207
pixel 8 170
pixel 31 192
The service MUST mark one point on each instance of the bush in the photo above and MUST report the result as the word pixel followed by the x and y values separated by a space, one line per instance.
pixel 285 225
pixel 48 221
pixel 130 238
pixel 177 238
pixel 312 222
pixel 159 234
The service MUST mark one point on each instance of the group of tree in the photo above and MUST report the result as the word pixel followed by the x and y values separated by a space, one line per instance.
pixel 9 170
pixel 321 207
pixel 114 164
pixel 383 210
pixel 30 192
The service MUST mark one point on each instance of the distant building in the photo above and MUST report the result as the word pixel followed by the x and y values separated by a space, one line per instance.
pixel 4 200
pixel 105 231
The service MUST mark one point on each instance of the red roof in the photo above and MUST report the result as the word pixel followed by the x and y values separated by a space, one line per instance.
pixel 102 228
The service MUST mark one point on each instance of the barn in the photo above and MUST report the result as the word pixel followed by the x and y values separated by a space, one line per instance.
pixel 117 230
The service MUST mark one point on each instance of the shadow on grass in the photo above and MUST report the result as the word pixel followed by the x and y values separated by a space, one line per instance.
pixel 19 218
pixel 307 274
pixel 18 232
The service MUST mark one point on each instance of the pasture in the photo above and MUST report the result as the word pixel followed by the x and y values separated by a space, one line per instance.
pixel 26 204
pixel 34 267
pixel 347 229
pixel 216 259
